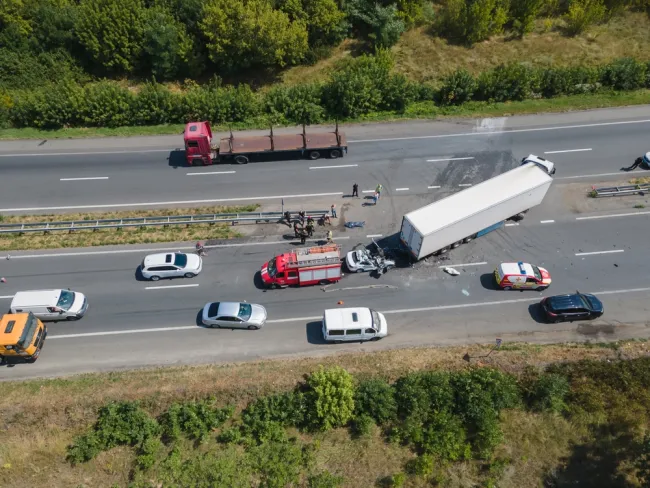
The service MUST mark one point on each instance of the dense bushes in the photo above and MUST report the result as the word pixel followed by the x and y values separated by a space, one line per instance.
pixel 362 86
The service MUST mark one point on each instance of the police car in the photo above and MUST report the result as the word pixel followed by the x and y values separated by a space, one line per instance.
pixel 521 276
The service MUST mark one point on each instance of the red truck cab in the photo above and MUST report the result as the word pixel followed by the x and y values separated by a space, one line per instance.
pixel 305 266
pixel 198 143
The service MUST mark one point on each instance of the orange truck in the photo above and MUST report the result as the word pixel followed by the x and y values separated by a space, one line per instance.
pixel 304 266
pixel 22 336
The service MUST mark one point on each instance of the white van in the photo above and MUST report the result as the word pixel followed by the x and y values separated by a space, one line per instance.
pixel 51 304
pixel 353 325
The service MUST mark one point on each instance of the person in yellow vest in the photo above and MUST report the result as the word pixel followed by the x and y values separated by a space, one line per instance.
pixel 329 236
pixel 378 190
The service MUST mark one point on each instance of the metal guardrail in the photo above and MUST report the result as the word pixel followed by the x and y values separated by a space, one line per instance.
pixel 230 218
pixel 616 191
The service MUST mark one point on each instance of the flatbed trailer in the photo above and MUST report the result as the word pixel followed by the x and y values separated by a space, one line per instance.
pixel 202 149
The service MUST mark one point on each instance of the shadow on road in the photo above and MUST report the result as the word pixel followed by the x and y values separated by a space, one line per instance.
pixel 176 159
pixel 315 332
pixel 257 281
pixel 199 316
pixel 138 274
pixel 488 282
pixel 536 313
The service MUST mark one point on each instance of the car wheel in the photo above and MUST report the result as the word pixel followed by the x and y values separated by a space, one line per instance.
pixel 154 278
pixel 555 321
pixel 72 318
pixel 189 275
pixel 273 286
pixel 323 282
pixel 374 339
pixel 542 288
pixel 507 288
pixel 253 327
pixel 359 271
pixel 338 342
pixel 335 153
pixel 241 160
pixel 314 155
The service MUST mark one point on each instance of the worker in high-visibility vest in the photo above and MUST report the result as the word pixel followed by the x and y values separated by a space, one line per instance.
pixel 329 236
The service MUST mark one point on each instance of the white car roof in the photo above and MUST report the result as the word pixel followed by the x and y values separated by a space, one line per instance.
pixel 341 318
pixel 159 259
pixel 519 268
pixel 544 163
pixel 36 297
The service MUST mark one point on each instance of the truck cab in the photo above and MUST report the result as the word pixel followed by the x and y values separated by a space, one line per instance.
pixel 198 143
pixel 305 266
pixel 22 336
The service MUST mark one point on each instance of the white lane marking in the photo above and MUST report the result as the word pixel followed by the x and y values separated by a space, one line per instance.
pixel 621 174
pixel 181 248
pixel 449 159
pixel 179 202
pixel 567 151
pixel 511 224
pixel 167 287
pixel 463 264
pixel 613 215
pixel 599 252
pixel 512 131
pixel 7 296
pixel 339 166
pixel 319 317
pixel 465 184
pixel 401 189
pixel 368 191
pixel 211 173
pixel 430 187
pixel 369 236
pixel 85 153
pixel 85 179
pixel 546 221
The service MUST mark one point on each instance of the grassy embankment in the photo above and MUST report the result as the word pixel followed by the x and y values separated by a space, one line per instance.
pixel 424 57
pixel 127 235
pixel 41 417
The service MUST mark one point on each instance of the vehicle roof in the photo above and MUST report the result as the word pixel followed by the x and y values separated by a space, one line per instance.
pixel 541 161
pixel 519 268
pixel 35 297
pixel 341 318
pixel 159 259
pixel 460 205
pixel 194 130
pixel 9 338
pixel 230 309
pixel 560 302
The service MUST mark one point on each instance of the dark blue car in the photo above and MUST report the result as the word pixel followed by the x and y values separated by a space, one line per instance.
pixel 578 306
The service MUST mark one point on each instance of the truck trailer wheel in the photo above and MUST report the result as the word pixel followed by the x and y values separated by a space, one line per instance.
pixel 442 251
pixel 241 159
pixel 335 153
pixel 456 244
pixel 313 155
pixel 469 239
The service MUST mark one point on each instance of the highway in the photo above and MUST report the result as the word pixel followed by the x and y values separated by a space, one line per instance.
pixel 135 323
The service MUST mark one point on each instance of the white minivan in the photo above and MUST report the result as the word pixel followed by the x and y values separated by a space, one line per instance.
pixel 353 325
pixel 51 304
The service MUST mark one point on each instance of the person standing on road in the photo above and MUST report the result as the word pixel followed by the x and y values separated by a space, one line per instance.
pixel 330 238
pixel 378 190
pixel 375 197
pixel 355 190
pixel 333 210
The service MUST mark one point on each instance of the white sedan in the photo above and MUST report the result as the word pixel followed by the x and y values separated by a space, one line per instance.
pixel 171 265
pixel 234 315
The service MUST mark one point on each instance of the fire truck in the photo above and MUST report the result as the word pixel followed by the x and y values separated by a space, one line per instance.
pixel 202 149
pixel 304 266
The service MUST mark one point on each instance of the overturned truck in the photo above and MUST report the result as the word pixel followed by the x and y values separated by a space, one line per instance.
pixel 202 149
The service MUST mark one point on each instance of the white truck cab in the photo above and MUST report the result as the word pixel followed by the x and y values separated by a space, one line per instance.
pixel 545 164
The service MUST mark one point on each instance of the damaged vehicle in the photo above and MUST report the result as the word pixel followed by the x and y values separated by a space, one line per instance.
pixel 362 259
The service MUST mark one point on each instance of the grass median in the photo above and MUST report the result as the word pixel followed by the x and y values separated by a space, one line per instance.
pixel 41 417
pixel 415 111
pixel 127 235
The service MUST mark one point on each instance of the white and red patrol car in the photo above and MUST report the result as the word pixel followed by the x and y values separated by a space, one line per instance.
pixel 520 275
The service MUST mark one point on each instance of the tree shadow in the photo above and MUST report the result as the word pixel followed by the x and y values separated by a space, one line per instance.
pixel 596 463
pixel 314 332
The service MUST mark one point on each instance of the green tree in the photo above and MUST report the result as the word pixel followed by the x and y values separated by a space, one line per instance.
pixel 166 47
pixel 472 21
pixel 410 11
pixel 56 22
pixel 374 397
pixel 245 34
pixel 326 22
pixel 111 31
pixel 523 14
pixel 379 24
pixel 330 398
pixel 14 13
pixel 583 13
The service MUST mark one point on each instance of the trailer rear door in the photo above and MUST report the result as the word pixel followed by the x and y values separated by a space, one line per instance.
pixel 411 237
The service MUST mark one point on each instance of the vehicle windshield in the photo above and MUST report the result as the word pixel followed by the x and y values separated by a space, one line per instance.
pixel 27 337
pixel 180 260
pixel 245 311
pixel 271 268
pixel 538 273
pixel 376 321
pixel 65 300
pixel 585 302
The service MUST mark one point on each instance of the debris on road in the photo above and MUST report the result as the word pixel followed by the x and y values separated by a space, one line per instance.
pixel 451 271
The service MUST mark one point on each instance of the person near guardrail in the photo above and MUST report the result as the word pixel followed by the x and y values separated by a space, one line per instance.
pixel 310 227
pixel 333 210
pixel 296 229
pixel 635 165
pixel 287 216
pixel 200 250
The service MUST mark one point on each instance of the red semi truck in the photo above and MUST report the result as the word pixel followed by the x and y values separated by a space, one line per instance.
pixel 201 149
pixel 304 266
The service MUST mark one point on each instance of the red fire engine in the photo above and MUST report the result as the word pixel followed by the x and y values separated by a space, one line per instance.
pixel 201 149
pixel 304 266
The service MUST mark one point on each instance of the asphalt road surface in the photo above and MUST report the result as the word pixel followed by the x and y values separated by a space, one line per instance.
pixel 404 158
pixel 134 323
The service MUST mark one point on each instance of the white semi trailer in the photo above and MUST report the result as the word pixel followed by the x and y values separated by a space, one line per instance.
pixel 477 210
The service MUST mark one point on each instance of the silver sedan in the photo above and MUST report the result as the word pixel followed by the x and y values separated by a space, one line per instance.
pixel 234 315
